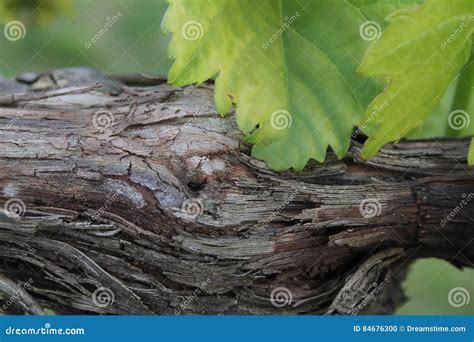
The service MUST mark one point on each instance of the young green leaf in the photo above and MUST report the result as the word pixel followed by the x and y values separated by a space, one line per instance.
pixel 288 65
pixel 419 54
pixel 470 154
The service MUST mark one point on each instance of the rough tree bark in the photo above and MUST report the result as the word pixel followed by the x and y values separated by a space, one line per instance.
pixel 164 212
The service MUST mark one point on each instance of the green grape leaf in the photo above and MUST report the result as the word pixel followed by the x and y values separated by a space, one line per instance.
pixel 289 66
pixel 419 54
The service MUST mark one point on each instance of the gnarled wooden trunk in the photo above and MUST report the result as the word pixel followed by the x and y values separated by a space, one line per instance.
pixel 147 202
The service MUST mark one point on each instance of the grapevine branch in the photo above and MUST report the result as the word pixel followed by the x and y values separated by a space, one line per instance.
pixel 147 202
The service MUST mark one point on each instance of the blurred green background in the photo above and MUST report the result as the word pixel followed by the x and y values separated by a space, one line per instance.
pixel 56 36
pixel 57 32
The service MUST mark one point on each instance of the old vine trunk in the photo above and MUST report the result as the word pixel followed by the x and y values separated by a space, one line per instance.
pixel 165 212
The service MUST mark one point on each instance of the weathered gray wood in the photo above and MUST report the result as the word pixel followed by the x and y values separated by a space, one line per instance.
pixel 164 211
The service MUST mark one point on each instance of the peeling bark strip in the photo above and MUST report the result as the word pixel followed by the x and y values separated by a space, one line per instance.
pixel 146 202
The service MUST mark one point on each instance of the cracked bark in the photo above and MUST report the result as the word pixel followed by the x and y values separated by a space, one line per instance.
pixel 112 210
